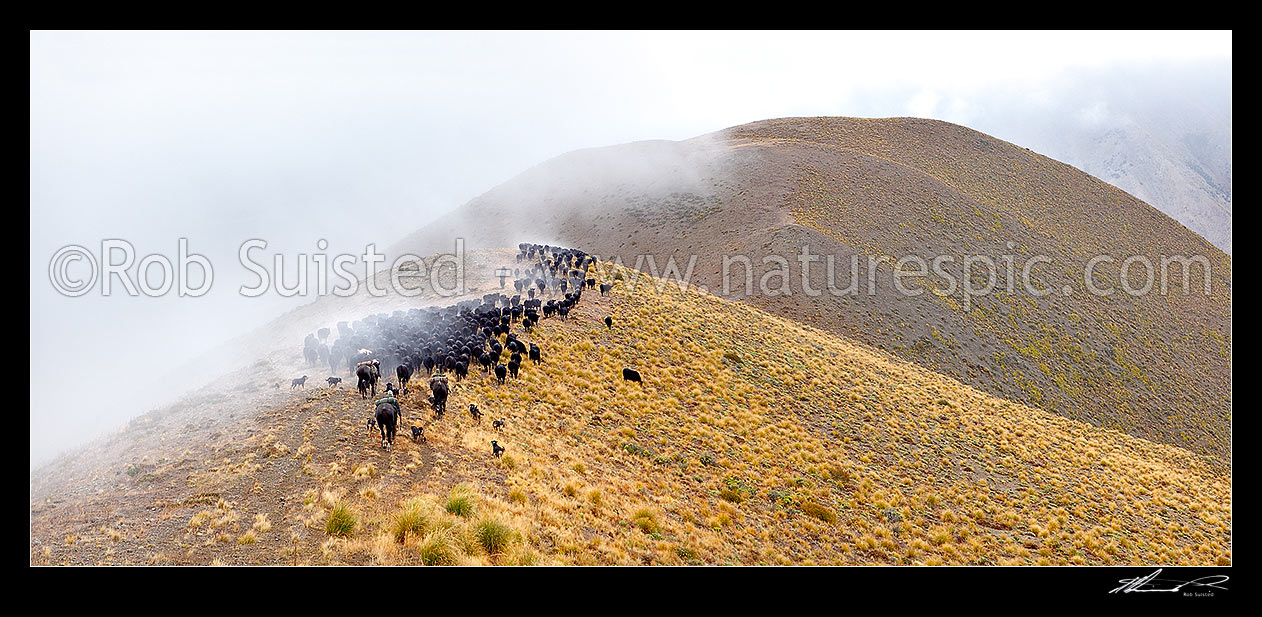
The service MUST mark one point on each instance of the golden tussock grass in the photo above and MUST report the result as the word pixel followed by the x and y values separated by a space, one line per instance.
pixel 809 449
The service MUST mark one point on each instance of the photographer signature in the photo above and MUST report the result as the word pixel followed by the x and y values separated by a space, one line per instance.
pixel 1152 583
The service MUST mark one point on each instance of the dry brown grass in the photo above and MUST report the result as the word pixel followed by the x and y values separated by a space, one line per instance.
pixel 809 450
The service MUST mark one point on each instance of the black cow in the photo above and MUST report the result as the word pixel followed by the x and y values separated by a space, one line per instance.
pixel 404 372
pixel 387 417
pixel 535 355
pixel 609 322
pixel 605 287
pixel 501 372
pixel 438 386
pixel 631 375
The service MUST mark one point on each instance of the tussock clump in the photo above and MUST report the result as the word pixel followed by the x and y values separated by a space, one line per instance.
pixel 460 502
pixel 523 556
pixel 820 512
pixel 493 535
pixel 436 550
pixel 261 523
pixel 410 520
pixel 342 521
pixel 735 490
pixel 839 474
pixel 645 520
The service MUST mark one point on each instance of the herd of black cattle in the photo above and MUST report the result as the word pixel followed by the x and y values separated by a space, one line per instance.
pixel 453 340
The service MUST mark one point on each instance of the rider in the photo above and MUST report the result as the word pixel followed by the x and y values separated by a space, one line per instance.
pixel 389 399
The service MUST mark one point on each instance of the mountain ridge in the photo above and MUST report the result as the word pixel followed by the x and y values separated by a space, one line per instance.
pixel 907 187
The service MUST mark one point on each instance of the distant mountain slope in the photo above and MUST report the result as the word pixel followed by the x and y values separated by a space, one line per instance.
pixel 753 440
pixel 1188 179
pixel 1162 135
pixel 1156 366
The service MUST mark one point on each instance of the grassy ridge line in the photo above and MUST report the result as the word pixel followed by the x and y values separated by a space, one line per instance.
pixel 754 440
pixel 759 440
pixel 1154 367
pixel 1157 367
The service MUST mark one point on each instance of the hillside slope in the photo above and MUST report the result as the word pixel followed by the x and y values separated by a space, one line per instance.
pixel 1156 366
pixel 753 439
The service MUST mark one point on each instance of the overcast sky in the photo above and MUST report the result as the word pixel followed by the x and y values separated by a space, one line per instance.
pixel 363 137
